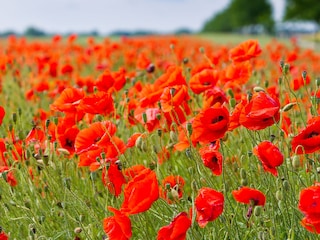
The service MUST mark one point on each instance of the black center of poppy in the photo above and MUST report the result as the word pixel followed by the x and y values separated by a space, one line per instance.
pixel 69 143
pixel 217 119
pixel 312 134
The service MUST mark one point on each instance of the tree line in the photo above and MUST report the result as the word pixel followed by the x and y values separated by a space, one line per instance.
pixel 240 13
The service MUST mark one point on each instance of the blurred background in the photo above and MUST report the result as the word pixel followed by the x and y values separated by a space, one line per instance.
pixel 140 17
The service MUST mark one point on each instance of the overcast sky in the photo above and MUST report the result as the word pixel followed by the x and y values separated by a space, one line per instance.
pixel 106 16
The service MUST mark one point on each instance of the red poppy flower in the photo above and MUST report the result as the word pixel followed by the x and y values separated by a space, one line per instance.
pixel 245 51
pixel 235 116
pixel 260 112
pixel 114 179
pixel 209 205
pixel 172 76
pixel 213 96
pixel 3 236
pixel 105 81
pixel 172 185
pixel 309 205
pixel 238 73
pixel 247 195
pixel 308 140
pixel 2 114
pixel 140 192
pixel 177 229
pixel 204 80
pixel 212 159
pixel 132 140
pixel 131 172
pixel 99 103
pixel 68 100
pixel 10 178
pixel 68 137
pixel 97 135
pixel 172 97
pixel 210 124
pixel 117 227
pixel 269 155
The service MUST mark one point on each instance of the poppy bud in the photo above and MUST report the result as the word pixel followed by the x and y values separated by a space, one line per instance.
pixel 14 117
pixel 266 84
pixel 243 173
pixel 173 137
pixel 296 162
pixel 288 106
pixel 172 91
pixel 279 195
pixel 286 185
pixel 272 137
pixel 318 82
pixel 185 61
pixel 261 235
pixel 144 117
pixel 174 194
pixel 150 68
pixel 77 230
pixel 281 64
pixel 189 154
pixel 257 211
pixel 249 96
pixel 171 46
pixel 201 50
pixel 230 92
pixel 189 128
pixel 258 89
pixel 158 116
pixel 232 102
pixel 159 131
pixel 304 75
pixel 286 68
pixel 244 182
pixel 19 111
pixel 139 142
pixel 280 80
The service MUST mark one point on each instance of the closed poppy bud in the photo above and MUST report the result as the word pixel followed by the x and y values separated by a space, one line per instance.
pixel 288 106
pixel 258 89
pixel 144 117
pixel 318 82
pixel 257 211
pixel 279 195
pixel 232 102
pixel 296 162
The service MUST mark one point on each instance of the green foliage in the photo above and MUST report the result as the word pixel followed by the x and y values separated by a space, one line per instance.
pixel 239 13
pixel 302 9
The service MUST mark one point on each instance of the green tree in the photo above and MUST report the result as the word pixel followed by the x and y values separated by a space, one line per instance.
pixel 302 9
pixel 240 13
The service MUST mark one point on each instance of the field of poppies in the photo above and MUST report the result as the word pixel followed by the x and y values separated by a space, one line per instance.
pixel 163 137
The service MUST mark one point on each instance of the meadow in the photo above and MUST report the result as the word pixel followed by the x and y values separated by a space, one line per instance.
pixel 159 137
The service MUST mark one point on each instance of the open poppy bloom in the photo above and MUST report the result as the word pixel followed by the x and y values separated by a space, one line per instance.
pixel 97 135
pixel 172 187
pixel 210 124
pixel 2 113
pixel 99 103
pixel 174 96
pixel 209 205
pixel 68 100
pixel 269 155
pixel 117 227
pixel 260 112
pixel 308 140
pixel 203 80
pixel 177 229
pixel 245 51
pixel 309 205
pixel 248 195
pixel 212 159
pixel 140 192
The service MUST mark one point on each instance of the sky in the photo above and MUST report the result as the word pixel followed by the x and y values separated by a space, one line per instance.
pixel 106 16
